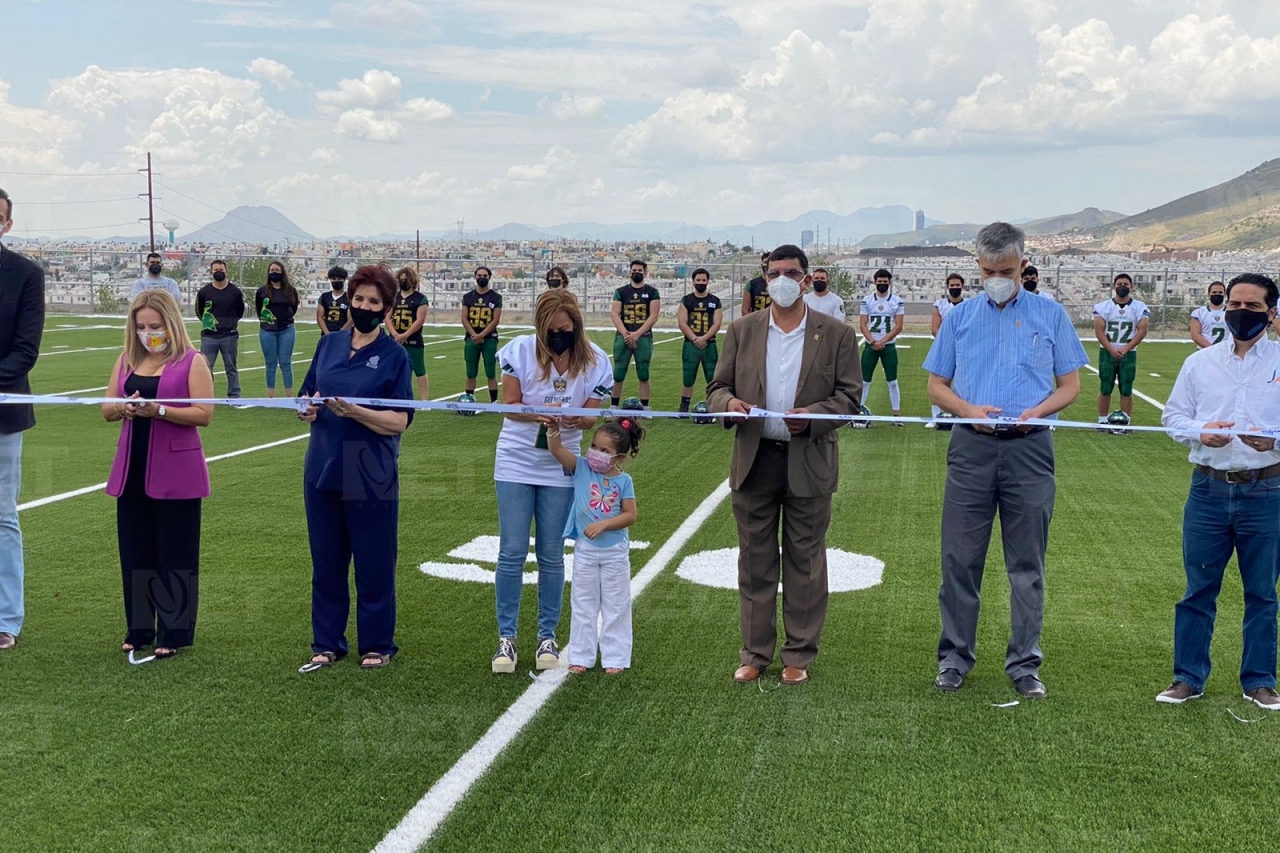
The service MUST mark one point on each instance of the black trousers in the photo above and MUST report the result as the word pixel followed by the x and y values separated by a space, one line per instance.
pixel 159 567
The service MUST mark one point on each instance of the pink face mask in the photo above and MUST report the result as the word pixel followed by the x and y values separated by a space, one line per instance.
pixel 598 460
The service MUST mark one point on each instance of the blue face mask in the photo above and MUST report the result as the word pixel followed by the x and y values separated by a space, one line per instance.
pixel 1245 325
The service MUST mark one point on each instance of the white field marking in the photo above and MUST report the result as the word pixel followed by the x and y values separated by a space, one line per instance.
pixel 69 328
pixel 73 351
pixel 1152 400
pixel 846 572
pixel 242 370
pixel 904 346
pixel 668 340
pixel 484 549
pixel 1156 375
pixel 438 357
pixel 98 487
pixel 422 821
pixel 62 346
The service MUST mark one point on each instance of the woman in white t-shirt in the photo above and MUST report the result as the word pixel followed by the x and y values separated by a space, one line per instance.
pixel 555 366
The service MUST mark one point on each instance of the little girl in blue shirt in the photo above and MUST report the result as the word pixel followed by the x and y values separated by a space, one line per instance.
pixel 604 506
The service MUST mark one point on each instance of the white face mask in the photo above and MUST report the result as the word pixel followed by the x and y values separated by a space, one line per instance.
pixel 999 289
pixel 154 342
pixel 784 291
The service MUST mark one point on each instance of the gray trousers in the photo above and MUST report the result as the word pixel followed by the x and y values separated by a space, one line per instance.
pixel 227 345
pixel 1015 476
pixel 760 506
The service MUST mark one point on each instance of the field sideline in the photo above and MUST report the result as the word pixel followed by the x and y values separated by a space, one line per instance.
pixel 227 748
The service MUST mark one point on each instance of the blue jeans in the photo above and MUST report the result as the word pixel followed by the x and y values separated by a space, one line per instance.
pixel 277 348
pixel 11 607
pixel 547 508
pixel 1219 518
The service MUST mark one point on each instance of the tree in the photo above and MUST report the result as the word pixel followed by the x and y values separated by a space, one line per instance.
pixel 843 284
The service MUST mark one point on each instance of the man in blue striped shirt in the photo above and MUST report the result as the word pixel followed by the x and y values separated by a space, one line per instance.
pixel 1006 357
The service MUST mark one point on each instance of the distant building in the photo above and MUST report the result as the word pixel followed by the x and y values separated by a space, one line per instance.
pixel 806 239
pixel 919 220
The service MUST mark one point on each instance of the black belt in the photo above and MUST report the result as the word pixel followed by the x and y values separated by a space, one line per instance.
pixel 1006 432
pixel 774 444
pixel 1252 475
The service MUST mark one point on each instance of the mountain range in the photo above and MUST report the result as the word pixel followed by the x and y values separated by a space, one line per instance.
pixel 255 225
pixel 1088 220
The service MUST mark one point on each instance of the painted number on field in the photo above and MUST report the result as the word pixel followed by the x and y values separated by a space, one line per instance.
pixel 846 572
pixel 484 549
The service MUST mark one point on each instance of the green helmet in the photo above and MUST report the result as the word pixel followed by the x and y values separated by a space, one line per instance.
pixel 701 409
pixel 1118 419
pixel 632 403
pixel 466 398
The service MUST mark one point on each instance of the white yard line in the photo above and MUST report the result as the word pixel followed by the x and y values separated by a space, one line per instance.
pixel 422 821
pixel 1152 400
pixel 98 487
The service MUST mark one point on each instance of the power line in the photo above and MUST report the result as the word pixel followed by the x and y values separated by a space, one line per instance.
pixel 88 227
pixel 91 201
pixel 70 174
pixel 213 183
pixel 44 147
pixel 225 213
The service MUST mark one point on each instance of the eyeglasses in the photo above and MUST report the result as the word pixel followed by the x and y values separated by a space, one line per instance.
pixel 792 273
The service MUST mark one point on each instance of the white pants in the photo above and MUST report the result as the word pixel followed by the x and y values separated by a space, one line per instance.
pixel 601 593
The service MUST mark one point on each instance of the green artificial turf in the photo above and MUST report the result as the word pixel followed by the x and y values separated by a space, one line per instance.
pixel 226 747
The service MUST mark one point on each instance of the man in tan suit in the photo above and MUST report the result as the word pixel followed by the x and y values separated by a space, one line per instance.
pixel 792 360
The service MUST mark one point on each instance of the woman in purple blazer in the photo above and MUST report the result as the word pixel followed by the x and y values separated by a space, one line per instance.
pixel 159 475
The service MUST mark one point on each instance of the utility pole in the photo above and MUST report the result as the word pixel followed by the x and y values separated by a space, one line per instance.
pixel 151 211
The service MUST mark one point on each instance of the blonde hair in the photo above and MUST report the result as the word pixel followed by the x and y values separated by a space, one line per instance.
pixel 166 306
pixel 551 303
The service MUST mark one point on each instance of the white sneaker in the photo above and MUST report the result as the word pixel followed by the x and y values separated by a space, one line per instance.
pixel 931 425
pixel 548 655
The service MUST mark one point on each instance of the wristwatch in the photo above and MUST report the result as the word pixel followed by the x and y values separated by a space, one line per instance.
pixel 161 411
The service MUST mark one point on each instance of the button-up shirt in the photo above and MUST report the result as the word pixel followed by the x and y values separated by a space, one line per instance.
pixel 1215 384
pixel 1006 358
pixel 782 356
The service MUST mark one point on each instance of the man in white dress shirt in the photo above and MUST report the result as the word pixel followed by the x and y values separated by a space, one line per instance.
pixel 787 359
pixel 1234 501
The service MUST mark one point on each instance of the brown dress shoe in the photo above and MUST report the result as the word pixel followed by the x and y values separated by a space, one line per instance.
pixel 747 673
pixel 794 675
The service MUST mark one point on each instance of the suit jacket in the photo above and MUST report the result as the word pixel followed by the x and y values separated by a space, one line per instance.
pixel 21 327
pixel 830 382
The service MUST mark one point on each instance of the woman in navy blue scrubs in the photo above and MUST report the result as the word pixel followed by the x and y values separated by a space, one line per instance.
pixel 351 485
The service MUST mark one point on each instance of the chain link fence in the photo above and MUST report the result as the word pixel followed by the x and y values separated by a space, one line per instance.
pixel 92 281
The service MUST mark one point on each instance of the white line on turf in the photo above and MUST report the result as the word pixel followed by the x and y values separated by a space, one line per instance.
pixel 1152 400
pixel 98 487
pixel 422 821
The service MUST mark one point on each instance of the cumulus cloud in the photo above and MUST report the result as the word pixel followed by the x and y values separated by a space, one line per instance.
pixel 366 124
pixel 425 109
pixel 276 73
pixel 325 156
pixel 375 89
pixel 555 162
pixel 694 124
pixel 573 106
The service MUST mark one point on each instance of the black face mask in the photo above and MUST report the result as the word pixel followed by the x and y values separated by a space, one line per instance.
pixel 482 282
pixel 819 286
pixel 1216 299
pixel 275 277
pixel 554 283
pixel 637 277
pixel 154 269
pixel 699 288
pixel 219 276
pixel 561 342
pixel 882 286
pixel 406 286
pixel 1030 285
pixel 365 320
pixel 337 286
pixel 1245 325
pixel 1122 292
pixel 955 292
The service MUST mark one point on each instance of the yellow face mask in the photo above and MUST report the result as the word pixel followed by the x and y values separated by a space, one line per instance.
pixel 154 341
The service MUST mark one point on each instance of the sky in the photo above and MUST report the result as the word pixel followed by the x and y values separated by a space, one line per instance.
pixel 370 116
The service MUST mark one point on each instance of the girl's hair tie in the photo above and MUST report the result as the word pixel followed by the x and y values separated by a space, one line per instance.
pixel 626 424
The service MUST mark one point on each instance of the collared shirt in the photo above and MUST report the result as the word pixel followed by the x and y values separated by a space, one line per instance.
pixel 1215 384
pixel 1006 358
pixel 162 282
pixel 782 356
pixel 826 303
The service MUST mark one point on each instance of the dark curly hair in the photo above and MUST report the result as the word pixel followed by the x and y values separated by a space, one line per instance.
pixel 626 434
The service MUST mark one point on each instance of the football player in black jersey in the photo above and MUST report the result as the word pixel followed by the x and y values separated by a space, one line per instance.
pixel 755 296
pixel 635 311
pixel 405 322
pixel 699 317
pixel 481 313
pixel 332 308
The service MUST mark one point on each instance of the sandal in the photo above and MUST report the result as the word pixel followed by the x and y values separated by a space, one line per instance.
pixel 320 660
pixel 373 660
pixel 577 669
pixel 614 670
pixel 163 652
